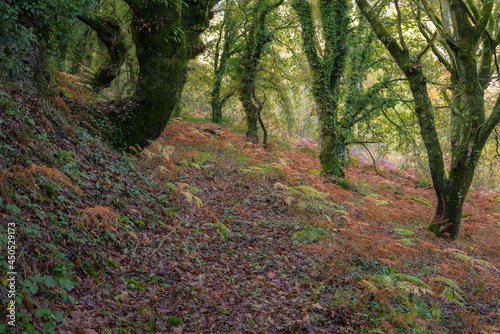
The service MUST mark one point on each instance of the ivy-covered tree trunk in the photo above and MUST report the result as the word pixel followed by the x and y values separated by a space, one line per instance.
pixel 327 68
pixel 331 152
pixel 470 127
pixel 40 78
pixel 166 36
pixel 256 36
pixel 110 33
pixel 228 36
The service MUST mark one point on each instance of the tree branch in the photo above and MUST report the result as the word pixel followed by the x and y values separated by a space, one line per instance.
pixel 400 32
pixel 304 12
pixel 483 21
pixel 429 45
pixel 397 52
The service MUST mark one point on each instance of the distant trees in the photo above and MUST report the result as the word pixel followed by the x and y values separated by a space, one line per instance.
pixel 464 37
pixel 225 47
pixel 256 35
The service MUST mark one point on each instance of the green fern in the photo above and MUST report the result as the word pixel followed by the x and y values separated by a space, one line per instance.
pixel 451 291
pixel 306 199
pixel 476 263
pixel 222 230
pixel 414 280
pixel 187 191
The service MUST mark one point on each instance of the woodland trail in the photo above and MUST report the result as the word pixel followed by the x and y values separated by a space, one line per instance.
pixel 252 279
pixel 205 232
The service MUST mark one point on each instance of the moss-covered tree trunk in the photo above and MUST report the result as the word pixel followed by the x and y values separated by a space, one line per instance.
pixel 228 36
pixel 166 36
pixel 109 32
pixel 256 36
pixel 327 68
pixel 469 125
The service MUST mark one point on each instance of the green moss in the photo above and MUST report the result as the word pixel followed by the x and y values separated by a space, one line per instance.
pixel 174 321
pixel 50 190
pixel 418 200
pixel 132 283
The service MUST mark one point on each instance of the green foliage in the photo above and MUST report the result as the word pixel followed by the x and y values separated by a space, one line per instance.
pixel 174 321
pixel 222 230
pixel 34 30
pixel 309 235
pixel 401 299
pixel 307 200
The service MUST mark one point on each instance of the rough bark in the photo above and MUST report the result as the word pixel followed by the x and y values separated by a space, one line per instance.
pixel 166 36
pixel 327 70
pixel 110 33
pixel 469 125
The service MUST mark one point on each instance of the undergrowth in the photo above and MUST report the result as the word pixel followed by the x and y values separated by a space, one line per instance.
pixel 202 227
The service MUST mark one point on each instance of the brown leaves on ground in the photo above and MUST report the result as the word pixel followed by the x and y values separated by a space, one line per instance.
pixel 235 264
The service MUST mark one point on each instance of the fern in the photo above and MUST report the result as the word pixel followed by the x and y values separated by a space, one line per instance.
pixel 187 191
pixel 306 199
pixel 163 150
pixel 414 280
pixel 451 291
pixel 476 263
pixel 222 230
pixel 398 298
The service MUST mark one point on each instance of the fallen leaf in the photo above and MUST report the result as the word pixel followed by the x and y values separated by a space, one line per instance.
pixel 318 306
pixel 85 331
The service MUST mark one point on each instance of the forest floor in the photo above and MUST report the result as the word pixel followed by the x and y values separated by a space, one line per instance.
pixel 204 232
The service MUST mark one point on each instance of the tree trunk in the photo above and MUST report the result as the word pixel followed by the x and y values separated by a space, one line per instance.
pixel 166 36
pixel 252 119
pixel 216 104
pixel 256 37
pixel 330 159
pixel 327 66
pixel 264 131
pixel 446 223
pixel 110 33
pixel 229 33
pixel 470 128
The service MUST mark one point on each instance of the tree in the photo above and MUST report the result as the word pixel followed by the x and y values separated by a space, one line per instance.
pixel 465 40
pixel 228 36
pixel 34 41
pixel 256 36
pixel 109 32
pixel 166 35
pixel 327 66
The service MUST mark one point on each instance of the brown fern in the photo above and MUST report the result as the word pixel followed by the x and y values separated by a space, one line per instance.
pixel 99 216
pixel 26 175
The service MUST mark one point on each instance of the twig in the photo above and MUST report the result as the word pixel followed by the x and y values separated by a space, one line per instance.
pixel 163 240
pixel 245 241
pixel 373 159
